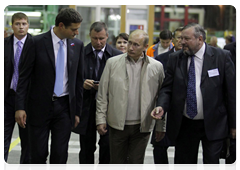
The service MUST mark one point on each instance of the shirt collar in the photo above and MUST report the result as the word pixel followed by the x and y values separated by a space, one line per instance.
pixel 101 49
pixel 55 38
pixel 22 40
pixel 143 57
pixel 201 52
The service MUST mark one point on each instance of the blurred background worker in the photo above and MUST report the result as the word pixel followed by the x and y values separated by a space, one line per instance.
pixel 164 45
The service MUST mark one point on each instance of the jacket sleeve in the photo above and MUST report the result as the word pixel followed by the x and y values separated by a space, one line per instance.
pixel 80 81
pixel 161 124
pixel 102 96
pixel 25 71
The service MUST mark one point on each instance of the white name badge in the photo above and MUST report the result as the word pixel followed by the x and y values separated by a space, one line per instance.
pixel 213 72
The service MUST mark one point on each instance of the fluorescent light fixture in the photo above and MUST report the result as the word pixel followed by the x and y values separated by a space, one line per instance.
pixel 29 14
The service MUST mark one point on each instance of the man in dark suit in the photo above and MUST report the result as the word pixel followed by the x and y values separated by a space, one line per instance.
pixel 160 148
pixel 96 54
pixel 232 160
pixel 53 69
pixel 198 94
pixel 13 46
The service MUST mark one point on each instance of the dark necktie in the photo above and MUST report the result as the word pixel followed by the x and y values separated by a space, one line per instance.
pixel 97 62
pixel 58 88
pixel 16 63
pixel 191 91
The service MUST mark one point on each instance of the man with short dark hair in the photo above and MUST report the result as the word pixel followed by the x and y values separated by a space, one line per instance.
pixel 13 46
pixel 160 153
pixel 96 54
pixel 199 96
pixel 53 70
pixel 164 44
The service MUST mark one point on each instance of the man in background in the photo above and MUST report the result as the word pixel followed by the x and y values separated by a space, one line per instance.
pixel 13 46
pixel 231 139
pixel 164 45
pixel 96 53
pixel 160 153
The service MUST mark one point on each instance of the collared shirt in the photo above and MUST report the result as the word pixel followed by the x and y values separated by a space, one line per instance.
pixel 198 61
pixel 134 69
pixel 56 46
pixel 15 46
pixel 161 49
pixel 100 54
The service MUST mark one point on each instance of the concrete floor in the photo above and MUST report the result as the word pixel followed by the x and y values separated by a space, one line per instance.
pixel 74 148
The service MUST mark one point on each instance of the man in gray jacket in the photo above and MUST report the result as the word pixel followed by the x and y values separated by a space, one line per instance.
pixel 126 95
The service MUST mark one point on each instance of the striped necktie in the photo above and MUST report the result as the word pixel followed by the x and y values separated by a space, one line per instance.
pixel 16 63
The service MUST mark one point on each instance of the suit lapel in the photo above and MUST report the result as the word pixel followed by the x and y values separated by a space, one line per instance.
pixel 70 54
pixel 207 62
pixel 49 46
pixel 183 66
pixel 24 46
pixel 10 44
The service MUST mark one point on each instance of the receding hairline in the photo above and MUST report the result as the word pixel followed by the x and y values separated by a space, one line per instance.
pixel 141 33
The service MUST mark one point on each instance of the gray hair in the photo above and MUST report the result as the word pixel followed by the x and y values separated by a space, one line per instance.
pixel 99 26
pixel 199 30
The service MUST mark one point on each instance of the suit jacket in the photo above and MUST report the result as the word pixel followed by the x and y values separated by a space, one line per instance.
pixel 89 101
pixel 9 61
pixel 38 70
pixel 163 58
pixel 218 92
pixel 232 48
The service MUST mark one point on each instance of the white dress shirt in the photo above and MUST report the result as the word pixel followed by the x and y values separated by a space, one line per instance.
pixel 198 61
pixel 100 54
pixel 56 46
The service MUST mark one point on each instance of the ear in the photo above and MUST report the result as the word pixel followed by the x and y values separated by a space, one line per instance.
pixel 145 48
pixel 61 25
pixel 200 38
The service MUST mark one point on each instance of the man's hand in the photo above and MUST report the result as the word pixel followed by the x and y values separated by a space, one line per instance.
pixel 233 133
pixel 95 86
pixel 20 117
pixel 102 129
pixel 77 121
pixel 88 84
pixel 157 113
pixel 159 136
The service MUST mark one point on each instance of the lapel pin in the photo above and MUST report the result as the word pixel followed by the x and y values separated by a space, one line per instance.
pixel 72 44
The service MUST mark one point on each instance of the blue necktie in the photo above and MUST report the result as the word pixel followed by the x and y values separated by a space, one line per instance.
pixel 58 88
pixel 16 63
pixel 191 91
pixel 97 63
